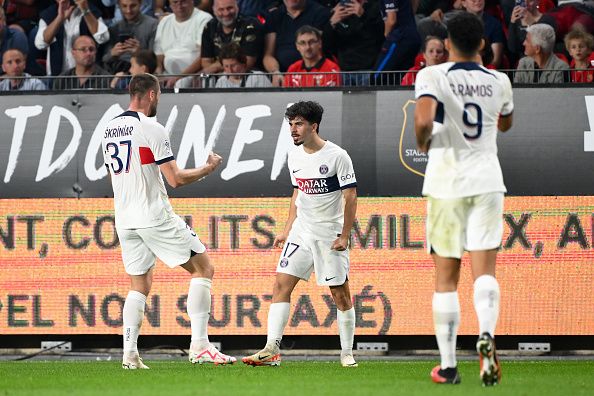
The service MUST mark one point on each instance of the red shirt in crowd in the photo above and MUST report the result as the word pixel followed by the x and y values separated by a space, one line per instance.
pixel 311 79
pixel 582 76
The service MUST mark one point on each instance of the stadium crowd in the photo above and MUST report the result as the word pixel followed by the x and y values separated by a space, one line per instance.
pixel 79 44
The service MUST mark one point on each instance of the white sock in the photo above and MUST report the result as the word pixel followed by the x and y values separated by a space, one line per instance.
pixel 198 306
pixel 132 314
pixel 278 316
pixel 346 329
pixel 486 303
pixel 446 319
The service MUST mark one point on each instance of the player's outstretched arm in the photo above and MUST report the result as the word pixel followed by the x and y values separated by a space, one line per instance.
pixel 350 211
pixel 424 115
pixel 505 122
pixel 279 241
pixel 177 177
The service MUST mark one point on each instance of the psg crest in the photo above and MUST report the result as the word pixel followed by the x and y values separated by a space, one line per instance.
pixel 323 169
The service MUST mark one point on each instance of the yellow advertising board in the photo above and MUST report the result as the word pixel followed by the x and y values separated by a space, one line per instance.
pixel 61 270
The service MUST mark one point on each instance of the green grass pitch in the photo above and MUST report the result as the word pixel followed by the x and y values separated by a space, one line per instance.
pixel 301 378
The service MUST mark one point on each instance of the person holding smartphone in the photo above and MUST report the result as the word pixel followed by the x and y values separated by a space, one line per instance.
pixel 58 41
pixel 524 14
pixel 136 31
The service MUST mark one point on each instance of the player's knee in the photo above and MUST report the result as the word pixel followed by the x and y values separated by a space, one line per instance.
pixel 281 291
pixel 342 299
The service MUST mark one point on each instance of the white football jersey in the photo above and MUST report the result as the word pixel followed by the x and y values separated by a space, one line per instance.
pixel 320 178
pixel 463 153
pixel 134 146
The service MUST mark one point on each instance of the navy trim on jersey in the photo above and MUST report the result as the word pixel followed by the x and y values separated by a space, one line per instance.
pixel 164 160
pixel 317 186
pixel 429 96
pixel 470 66
pixel 130 113
pixel 348 186
pixel 439 113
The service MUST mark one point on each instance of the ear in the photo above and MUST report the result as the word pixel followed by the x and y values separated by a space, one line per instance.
pixel 448 45
pixel 482 46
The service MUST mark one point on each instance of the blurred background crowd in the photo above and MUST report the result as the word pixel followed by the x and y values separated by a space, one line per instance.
pixel 99 44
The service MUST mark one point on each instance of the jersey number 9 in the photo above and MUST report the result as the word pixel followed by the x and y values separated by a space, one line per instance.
pixel 478 116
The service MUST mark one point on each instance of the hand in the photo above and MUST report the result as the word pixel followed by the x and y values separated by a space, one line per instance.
pixel 355 8
pixel 213 161
pixel 132 45
pixel 64 9
pixel 341 243
pixel 277 80
pixel 83 5
pixel 118 49
pixel 517 14
pixel 339 14
pixel 437 15
pixel 280 240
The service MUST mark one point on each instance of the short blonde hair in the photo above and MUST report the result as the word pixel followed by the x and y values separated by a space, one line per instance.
pixel 579 34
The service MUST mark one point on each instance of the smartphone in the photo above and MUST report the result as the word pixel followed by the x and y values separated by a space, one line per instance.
pixel 122 37
pixel 345 3
pixel 521 3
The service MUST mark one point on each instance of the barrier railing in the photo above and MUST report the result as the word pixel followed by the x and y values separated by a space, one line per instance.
pixel 253 80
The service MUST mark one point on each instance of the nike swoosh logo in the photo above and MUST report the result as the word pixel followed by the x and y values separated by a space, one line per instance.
pixel 263 357
pixel 296 170
pixel 329 279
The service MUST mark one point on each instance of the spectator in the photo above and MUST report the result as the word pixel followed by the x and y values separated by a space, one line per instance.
pixel 540 65
pixel 14 62
pixel 234 63
pixel 230 26
pixel 521 18
pixel 434 53
pixel 142 61
pixel 281 26
pixel 402 38
pixel 147 7
pixel 136 31
pixel 356 33
pixel 80 19
pixel 309 44
pixel 580 44
pixel 493 28
pixel 81 76
pixel 11 38
pixel 178 40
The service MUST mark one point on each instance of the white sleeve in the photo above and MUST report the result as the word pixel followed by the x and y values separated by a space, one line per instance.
pixel 157 48
pixel 159 144
pixel 290 166
pixel 345 171
pixel 102 35
pixel 426 84
pixel 39 42
pixel 508 97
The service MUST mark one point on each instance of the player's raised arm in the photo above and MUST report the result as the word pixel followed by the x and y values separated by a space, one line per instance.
pixel 279 241
pixel 350 211
pixel 177 177
pixel 424 115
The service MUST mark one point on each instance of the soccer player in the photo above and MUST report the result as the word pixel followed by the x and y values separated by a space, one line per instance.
pixel 460 107
pixel 316 235
pixel 137 153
